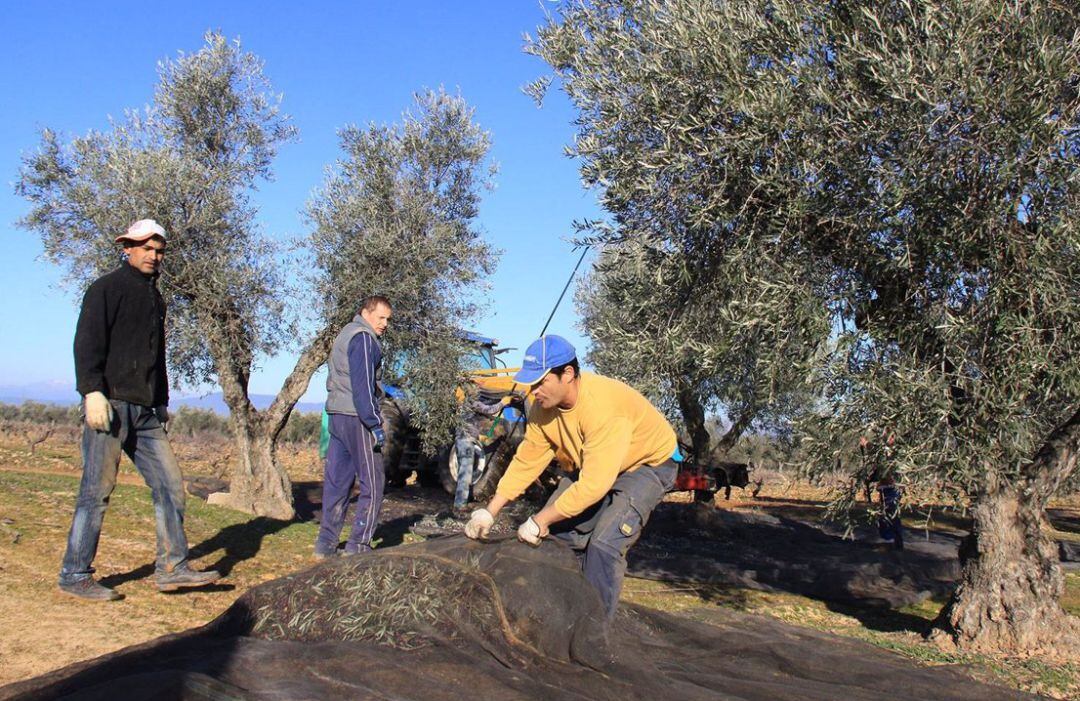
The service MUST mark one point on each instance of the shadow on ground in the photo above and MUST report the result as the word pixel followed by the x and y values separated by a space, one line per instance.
pixel 701 544
pixel 238 542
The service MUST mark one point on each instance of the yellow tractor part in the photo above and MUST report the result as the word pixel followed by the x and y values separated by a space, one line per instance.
pixel 498 381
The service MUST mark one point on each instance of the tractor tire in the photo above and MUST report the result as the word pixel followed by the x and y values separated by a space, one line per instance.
pixel 481 489
pixel 496 463
pixel 395 426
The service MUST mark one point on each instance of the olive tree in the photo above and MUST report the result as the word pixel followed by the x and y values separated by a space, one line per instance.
pixel 191 161
pixel 397 216
pixel 914 165
pixel 693 336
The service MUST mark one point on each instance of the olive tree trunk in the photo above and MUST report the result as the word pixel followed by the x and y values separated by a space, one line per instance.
pixel 694 419
pixel 258 484
pixel 1012 581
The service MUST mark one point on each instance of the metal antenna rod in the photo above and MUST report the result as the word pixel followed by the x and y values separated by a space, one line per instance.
pixel 566 287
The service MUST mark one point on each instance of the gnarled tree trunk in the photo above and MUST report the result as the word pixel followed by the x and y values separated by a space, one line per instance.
pixel 694 418
pixel 1012 581
pixel 258 483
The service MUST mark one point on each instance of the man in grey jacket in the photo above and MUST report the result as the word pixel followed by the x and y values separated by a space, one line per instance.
pixel 356 433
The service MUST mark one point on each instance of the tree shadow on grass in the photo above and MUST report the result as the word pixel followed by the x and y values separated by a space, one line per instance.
pixel 241 541
pixel 882 618
pixel 726 595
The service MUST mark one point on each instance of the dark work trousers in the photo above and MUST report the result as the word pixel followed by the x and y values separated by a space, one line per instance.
pixel 603 533
pixel 350 459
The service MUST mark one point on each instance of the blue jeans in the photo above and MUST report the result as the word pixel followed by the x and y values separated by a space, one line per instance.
pixel 466 459
pixel 136 431
pixel 604 533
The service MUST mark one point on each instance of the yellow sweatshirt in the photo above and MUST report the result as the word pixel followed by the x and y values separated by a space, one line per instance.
pixel 610 430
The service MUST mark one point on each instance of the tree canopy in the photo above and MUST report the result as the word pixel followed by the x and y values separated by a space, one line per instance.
pixel 700 337
pixel 396 217
pixel 914 164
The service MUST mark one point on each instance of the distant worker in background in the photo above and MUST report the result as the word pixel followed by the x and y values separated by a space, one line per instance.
pixel 120 371
pixel 890 527
pixel 466 442
pixel 624 450
pixel 356 432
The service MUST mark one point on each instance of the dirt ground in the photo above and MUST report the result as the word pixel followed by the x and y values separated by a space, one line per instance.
pixel 41 629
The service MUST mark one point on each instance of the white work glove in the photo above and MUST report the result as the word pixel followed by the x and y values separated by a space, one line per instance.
pixel 162 413
pixel 99 412
pixel 529 532
pixel 479 525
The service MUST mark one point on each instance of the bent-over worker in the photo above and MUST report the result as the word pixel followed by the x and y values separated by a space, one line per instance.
pixel 623 449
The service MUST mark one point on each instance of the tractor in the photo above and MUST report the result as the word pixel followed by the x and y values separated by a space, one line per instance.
pixel 403 454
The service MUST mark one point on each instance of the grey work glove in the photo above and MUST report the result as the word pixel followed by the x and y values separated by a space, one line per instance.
pixel 479 525
pixel 162 413
pixel 529 532
pixel 99 413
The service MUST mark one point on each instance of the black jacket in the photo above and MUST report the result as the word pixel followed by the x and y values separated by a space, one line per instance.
pixel 120 339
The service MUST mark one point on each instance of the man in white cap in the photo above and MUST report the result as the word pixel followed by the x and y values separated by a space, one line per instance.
pixel 622 452
pixel 120 371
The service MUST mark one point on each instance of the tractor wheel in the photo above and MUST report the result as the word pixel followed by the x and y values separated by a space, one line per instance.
pixel 502 452
pixel 395 426
pixel 481 491
pixel 704 496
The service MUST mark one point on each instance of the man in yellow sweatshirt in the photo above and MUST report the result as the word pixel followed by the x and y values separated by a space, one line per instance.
pixel 624 452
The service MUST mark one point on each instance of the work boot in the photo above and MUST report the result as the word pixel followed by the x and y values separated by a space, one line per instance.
pixel 461 513
pixel 90 590
pixel 184 576
pixel 356 549
pixel 323 554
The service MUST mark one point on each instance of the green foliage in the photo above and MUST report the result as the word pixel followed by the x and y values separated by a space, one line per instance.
pixel 397 217
pixel 303 428
pixel 909 167
pixel 194 422
pixel 681 331
pixel 190 161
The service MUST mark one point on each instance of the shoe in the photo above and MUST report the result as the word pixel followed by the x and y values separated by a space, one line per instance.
pixel 186 577
pixel 90 590
pixel 461 512
pixel 321 554
pixel 353 549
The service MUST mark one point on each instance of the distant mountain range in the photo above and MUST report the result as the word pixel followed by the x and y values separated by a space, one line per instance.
pixel 63 393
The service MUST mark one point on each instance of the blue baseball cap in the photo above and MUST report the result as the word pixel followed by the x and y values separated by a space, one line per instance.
pixel 543 354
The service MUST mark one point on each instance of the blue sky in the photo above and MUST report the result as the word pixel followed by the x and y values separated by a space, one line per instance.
pixel 70 66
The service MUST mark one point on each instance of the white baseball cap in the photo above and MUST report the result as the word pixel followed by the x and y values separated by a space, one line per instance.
pixel 142 230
